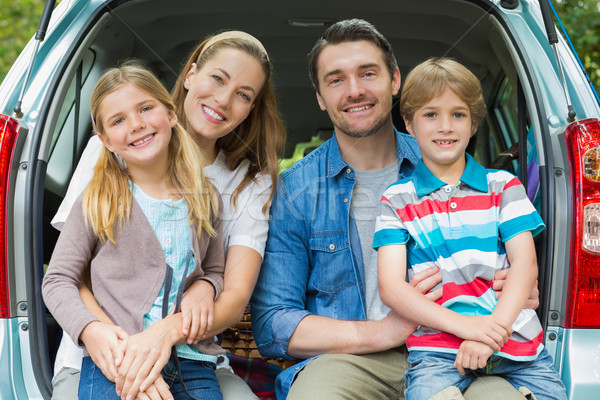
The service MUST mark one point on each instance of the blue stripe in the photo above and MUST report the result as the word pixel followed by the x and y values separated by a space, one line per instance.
pixel 529 222
pixel 389 236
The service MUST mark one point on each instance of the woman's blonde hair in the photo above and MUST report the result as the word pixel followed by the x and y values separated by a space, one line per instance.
pixel 261 136
pixel 429 79
pixel 107 199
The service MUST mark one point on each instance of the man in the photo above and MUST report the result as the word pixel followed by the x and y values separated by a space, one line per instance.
pixel 316 298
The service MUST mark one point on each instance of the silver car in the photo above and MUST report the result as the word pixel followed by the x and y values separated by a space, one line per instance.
pixel 543 123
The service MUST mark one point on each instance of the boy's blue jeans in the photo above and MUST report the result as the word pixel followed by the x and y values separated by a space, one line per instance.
pixel 199 377
pixel 431 372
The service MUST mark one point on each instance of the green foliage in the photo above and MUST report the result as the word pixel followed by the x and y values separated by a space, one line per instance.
pixel 581 19
pixel 18 24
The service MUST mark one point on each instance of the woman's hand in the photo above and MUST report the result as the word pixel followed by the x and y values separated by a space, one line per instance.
pixel 159 390
pixel 472 355
pixel 197 310
pixel 102 341
pixel 145 354
pixel 533 301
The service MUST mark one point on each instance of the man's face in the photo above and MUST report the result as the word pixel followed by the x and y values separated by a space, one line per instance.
pixel 356 88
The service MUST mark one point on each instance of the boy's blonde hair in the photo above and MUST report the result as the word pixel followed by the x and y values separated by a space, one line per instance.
pixel 107 199
pixel 261 136
pixel 429 79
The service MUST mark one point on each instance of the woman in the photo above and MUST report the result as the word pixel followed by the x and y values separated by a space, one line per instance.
pixel 225 100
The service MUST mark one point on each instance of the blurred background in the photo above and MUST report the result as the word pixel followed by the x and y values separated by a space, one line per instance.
pixel 581 19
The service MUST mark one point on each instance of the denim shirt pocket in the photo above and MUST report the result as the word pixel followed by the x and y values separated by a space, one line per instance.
pixel 332 261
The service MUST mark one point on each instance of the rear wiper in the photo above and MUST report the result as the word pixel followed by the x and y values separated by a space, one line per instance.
pixel 40 35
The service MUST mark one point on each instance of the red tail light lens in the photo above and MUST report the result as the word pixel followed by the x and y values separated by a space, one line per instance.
pixel 583 301
pixel 9 131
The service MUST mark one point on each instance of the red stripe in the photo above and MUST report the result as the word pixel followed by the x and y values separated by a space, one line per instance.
pixel 469 203
pixel 475 288
pixel 445 340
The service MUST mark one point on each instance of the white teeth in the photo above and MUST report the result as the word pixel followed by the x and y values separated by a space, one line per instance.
pixel 444 141
pixel 144 140
pixel 212 113
pixel 359 108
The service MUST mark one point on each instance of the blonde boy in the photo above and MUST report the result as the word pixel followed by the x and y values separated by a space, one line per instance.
pixel 470 221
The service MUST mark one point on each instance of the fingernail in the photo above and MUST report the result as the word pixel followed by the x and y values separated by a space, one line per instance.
pixel 118 393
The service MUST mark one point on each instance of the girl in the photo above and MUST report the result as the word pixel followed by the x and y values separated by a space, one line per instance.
pixel 227 75
pixel 147 226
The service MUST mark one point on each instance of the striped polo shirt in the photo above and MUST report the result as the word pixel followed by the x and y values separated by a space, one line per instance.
pixel 462 229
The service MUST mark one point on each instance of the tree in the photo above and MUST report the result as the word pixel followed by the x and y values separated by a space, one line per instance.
pixel 581 19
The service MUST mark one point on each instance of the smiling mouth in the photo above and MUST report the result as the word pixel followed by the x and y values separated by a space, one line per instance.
pixel 444 142
pixel 361 108
pixel 142 140
pixel 212 113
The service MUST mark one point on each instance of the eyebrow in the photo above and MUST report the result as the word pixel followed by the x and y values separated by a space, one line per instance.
pixel 360 67
pixel 250 88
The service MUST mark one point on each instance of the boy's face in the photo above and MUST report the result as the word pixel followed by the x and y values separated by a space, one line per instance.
pixel 442 128
pixel 355 87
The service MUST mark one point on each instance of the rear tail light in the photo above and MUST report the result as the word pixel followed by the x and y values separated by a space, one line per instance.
pixel 9 131
pixel 583 299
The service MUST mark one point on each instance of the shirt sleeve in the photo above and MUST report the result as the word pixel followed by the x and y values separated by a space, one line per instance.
pixel 517 214
pixel 389 228
pixel 251 226
pixel 279 299
pixel 81 177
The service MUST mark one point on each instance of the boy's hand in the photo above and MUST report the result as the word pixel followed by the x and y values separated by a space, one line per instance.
pixel 426 280
pixel 159 390
pixel 102 340
pixel 533 301
pixel 197 310
pixel 472 355
pixel 486 329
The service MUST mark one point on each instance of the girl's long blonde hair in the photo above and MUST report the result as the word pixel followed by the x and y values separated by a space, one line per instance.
pixel 261 136
pixel 107 199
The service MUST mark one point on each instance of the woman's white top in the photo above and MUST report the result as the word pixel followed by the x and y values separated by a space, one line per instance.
pixel 244 224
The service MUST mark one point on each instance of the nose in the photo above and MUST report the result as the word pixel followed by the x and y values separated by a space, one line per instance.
pixel 355 88
pixel 223 97
pixel 445 125
pixel 137 122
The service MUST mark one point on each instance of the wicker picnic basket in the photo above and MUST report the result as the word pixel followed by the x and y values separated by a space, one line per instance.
pixel 238 340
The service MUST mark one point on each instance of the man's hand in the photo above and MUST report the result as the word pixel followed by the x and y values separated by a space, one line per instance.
pixel 472 355
pixel 102 342
pixel 197 310
pixel 426 280
pixel 533 301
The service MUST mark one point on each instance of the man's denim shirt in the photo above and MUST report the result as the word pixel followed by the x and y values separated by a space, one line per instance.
pixel 313 262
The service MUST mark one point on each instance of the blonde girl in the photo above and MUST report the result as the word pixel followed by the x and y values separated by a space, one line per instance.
pixel 147 227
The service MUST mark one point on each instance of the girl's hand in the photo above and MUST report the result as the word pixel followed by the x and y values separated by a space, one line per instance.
pixel 197 311
pixel 159 390
pixel 102 341
pixel 532 302
pixel 486 329
pixel 146 353
pixel 472 355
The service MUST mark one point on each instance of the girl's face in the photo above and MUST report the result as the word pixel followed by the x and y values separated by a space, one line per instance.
pixel 221 94
pixel 442 127
pixel 137 126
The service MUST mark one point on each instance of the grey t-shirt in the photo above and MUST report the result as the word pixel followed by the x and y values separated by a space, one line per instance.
pixel 367 192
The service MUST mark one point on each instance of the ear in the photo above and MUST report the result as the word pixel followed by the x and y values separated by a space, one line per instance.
pixel 188 76
pixel 172 118
pixel 321 102
pixel 396 81
pixel 409 128
pixel 105 140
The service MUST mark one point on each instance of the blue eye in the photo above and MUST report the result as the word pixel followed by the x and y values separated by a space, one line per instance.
pixel 146 108
pixel 244 96
pixel 430 115
pixel 118 121
pixel 217 78
pixel 459 115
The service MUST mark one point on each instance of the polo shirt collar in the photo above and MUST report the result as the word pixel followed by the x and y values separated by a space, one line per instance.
pixel 336 164
pixel 426 182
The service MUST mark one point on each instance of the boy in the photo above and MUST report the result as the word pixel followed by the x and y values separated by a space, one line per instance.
pixel 469 221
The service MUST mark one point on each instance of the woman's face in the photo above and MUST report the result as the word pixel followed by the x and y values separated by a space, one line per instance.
pixel 222 93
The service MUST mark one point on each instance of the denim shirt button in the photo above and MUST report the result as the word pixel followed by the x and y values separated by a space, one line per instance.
pixel 348 170
pixel 332 246
pixel 346 200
